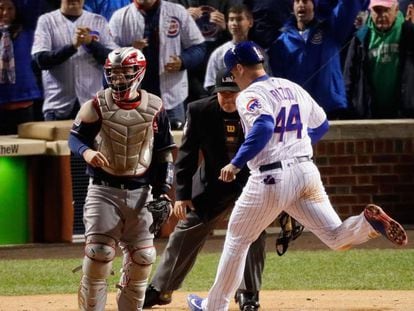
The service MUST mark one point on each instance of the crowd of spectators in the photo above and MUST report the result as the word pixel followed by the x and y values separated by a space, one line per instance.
pixel 354 57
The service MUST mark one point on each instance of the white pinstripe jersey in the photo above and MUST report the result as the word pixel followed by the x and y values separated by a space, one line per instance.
pixel 177 31
pixel 293 110
pixel 79 77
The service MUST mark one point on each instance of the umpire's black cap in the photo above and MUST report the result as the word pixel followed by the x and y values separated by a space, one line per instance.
pixel 225 82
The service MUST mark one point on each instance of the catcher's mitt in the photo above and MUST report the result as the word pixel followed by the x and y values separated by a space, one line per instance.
pixel 160 209
pixel 290 230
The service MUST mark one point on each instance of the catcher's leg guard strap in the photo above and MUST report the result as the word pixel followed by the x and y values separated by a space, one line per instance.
pixel 96 267
pixel 135 272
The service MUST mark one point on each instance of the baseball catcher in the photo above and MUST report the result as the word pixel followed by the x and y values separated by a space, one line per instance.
pixel 124 136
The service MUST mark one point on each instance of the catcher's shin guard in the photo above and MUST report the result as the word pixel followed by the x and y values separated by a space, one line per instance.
pixel 96 267
pixel 136 269
pixel 92 294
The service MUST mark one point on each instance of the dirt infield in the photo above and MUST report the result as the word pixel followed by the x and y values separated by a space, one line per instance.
pixel 270 301
pixel 332 300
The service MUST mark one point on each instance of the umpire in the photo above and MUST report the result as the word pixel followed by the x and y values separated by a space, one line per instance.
pixel 213 127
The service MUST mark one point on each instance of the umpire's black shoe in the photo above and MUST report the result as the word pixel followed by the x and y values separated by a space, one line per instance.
pixel 176 125
pixel 154 297
pixel 247 301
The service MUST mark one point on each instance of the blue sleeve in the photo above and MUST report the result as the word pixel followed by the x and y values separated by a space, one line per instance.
pixel 255 141
pixel 277 58
pixel 82 136
pixel 99 51
pixel 193 56
pixel 343 17
pixel 317 133
pixel 48 59
pixel 76 145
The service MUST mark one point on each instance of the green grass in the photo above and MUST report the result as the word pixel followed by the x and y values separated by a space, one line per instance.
pixel 301 270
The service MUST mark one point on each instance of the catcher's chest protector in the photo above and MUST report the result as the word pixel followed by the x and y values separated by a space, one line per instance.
pixel 126 136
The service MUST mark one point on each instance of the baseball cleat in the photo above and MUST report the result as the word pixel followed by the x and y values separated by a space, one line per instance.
pixel 247 301
pixel 194 302
pixel 154 297
pixel 385 225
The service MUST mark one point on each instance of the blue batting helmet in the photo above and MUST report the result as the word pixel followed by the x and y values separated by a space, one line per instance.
pixel 244 53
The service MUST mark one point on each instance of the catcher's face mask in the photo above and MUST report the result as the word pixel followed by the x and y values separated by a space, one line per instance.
pixel 124 71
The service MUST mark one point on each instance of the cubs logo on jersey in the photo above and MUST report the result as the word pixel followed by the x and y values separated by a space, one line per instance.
pixel 95 35
pixel 253 105
pixel 174 27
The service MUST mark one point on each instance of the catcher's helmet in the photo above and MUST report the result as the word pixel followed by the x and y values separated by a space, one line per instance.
pixel 124 71
pixel 244 53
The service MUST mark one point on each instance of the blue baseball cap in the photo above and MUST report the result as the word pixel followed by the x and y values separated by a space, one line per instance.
pixel 244 53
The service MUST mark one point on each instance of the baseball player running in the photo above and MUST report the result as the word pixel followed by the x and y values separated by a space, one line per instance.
pixel 202 200
pixel 280 121
pixel 124 136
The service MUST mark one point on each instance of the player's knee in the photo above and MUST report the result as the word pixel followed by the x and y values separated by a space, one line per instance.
pixel 138 265
pixel 99 254
pixel 144 255
pixel 100 248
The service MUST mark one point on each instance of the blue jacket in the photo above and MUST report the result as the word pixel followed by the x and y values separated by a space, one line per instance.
pixel 315 64
pixel 105 7
pixel 26 87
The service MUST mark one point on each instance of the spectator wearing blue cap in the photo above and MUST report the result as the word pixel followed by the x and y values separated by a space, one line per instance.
pixel 308 52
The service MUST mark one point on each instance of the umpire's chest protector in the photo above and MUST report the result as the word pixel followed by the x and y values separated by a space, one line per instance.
pixel 127 135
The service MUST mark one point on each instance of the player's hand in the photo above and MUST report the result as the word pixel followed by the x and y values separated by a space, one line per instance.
pixel 81 36
pixel 174 64
pixel 228 173
pixel 218 18
pixel 95 158
pixel 195 12
pixel 140 44
pixel 180 208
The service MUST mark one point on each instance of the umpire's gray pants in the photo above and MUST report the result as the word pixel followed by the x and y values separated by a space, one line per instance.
pixel 184 244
